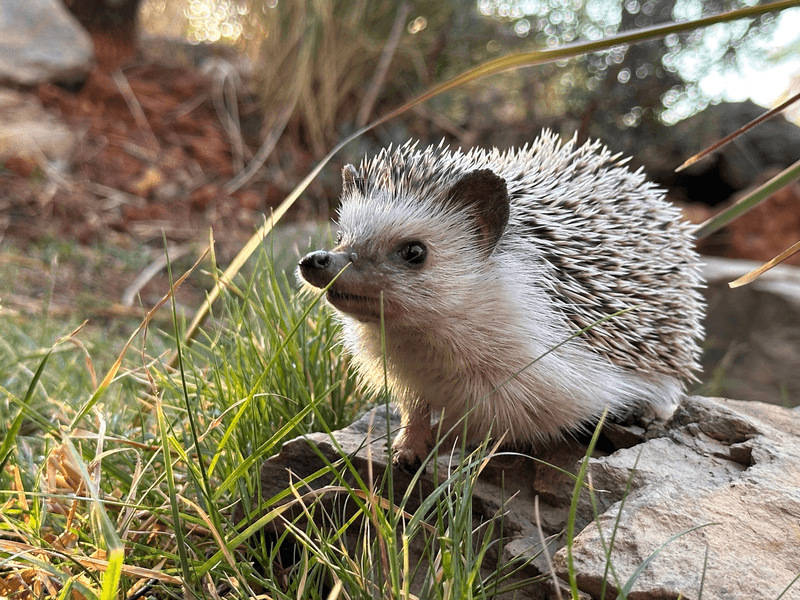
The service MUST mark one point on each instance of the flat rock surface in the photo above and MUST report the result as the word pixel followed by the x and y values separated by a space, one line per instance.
pixel 725 476
pixel 41 41
pixel 720 477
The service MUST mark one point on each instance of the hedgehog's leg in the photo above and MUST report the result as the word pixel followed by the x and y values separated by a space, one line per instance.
pixel 415 441
pixel 450 430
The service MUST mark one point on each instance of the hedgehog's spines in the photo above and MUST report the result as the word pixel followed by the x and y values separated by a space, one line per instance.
pixel 578 209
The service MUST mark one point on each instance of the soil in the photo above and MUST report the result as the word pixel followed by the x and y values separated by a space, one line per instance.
pixel 136 176
pixel 150 165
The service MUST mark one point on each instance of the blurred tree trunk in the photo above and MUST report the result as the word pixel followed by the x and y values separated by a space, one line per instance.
pixel 113 25
pixel 625 107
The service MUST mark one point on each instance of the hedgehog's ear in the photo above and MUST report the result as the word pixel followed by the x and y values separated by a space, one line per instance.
pixel 485 195
pixel 351 180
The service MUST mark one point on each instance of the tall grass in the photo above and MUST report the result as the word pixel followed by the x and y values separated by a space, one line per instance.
pixel 160 450
pixel 138 494
pixel 330 49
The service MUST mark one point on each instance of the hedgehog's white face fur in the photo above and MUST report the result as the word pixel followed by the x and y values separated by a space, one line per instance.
pixel 404 251
pixel 487 262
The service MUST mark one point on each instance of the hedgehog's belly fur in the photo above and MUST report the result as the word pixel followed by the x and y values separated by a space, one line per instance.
pixel 563 390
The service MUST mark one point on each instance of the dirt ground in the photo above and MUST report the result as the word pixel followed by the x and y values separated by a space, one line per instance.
pixel 143 170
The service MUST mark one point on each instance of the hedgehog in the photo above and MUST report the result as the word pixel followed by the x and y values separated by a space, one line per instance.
pixel 521 293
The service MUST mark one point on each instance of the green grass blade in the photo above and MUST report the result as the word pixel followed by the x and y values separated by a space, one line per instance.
pixel 11 435
pixel 258 524
pixel 791 583
pixel 608 547
pixel 173 500
pixel 66 590
pixel 112 575
pixel 782 179
pixel 703 575
pixel 185 393
pixel 274 440
pixel 573 507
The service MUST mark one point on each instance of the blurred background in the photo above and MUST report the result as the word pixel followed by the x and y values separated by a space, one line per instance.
pixel 213 78
pixel 127 122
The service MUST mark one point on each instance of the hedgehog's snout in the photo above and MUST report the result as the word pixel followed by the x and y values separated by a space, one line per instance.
pixel 319 259
pixel 319 267
pixel 315 268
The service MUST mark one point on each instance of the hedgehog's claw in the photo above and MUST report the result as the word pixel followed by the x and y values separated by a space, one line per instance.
pixel 407 462
pixel 412 445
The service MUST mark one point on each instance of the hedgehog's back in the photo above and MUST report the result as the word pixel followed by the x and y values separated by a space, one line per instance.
pixel 618 258
pixel 621 257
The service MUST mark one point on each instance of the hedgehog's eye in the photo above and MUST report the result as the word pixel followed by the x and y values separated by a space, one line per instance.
pixel 338 237
pixel 414 253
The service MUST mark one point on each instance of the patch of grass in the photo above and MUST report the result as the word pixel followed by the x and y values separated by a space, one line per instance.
pixel 138 494
pixel 54 394
pixel 162 454
pixel 379 549
pixel 267 362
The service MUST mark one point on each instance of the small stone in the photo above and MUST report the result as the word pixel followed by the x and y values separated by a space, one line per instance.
pixel 29 132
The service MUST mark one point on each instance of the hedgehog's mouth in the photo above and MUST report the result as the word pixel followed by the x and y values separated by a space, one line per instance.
pixel 363 308
pixel 336 296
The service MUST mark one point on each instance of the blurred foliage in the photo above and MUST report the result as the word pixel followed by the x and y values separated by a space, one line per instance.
pixel 706 56
pixel 323 56
pixel 324 53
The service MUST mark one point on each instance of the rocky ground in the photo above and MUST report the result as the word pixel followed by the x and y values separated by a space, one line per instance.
pixel 707 501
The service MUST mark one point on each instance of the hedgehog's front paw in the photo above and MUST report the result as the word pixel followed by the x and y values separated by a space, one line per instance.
pixel 411 448
pixel 406 461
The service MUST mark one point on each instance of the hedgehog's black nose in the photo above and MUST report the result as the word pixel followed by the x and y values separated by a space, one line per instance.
pixel 315 261
pixel 316 268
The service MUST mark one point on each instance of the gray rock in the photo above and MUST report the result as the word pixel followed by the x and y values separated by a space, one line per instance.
pixel 42 41
pixel 752 345
pixel 28 130
pixel 733 464
pixel 724 481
